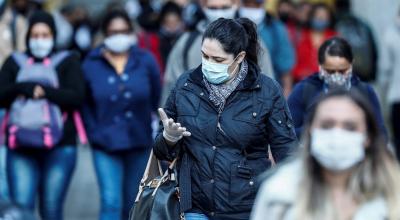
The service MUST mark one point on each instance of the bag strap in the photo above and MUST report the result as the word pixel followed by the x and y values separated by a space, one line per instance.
pixel 152 164
pixel 80 128
pixel 188 44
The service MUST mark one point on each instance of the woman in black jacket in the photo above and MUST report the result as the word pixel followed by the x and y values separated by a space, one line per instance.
pixel 46 169
pixel 220 119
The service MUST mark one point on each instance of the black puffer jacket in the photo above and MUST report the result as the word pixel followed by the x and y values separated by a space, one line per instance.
pixel 218 169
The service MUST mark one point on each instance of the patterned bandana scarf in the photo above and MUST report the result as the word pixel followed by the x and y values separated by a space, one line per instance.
pixel 219 93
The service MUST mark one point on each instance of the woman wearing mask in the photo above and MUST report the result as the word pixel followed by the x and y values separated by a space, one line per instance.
pixel 123 84
pixel 219 120
pixel 345 171
pixel 172 27
pixel 321 23
pixel 41 167
pixel 335 60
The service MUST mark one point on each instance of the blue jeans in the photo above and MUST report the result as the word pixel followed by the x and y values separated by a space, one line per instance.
pixel 4 196
pixel 119 175
pixel 195 216
pixel 46 172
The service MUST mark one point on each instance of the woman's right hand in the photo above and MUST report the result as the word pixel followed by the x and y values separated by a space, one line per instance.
pixel 173 132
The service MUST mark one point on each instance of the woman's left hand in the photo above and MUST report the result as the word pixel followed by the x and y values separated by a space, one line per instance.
pixel 38 92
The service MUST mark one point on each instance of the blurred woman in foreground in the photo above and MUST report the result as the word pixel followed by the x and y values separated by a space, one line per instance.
pixel 344 172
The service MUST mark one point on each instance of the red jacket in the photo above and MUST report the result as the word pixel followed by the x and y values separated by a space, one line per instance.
pixel 307 55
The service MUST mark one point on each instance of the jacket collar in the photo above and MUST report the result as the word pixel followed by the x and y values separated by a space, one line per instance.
pixel 252 80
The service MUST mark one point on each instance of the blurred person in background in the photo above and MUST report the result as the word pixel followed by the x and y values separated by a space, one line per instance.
pixel 285 10
pixel 123 83
pixel 361 39
pixel 335 60
pixel 301 16
pixel 344 171
pixel 275 36
pixel 160 43
pixel 13 29
pixel 171 28
pixel 32 169
pixel 148 17
pixel 26 8
pixel 192 14
pixel 219 120
pixel 185 53
pixel 389 77
pixel 75 28
pixel 321 28
pixel 12 38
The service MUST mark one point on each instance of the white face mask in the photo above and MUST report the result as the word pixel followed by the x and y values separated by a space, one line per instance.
pixel 41 47
pixel 214 14
pixel 216 73
pixel 256 15
pixel 83 38
pixel 337 149
pixel 120 43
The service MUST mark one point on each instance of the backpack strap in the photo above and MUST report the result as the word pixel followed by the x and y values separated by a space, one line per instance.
pixel 188 44
pixel 20 58
pixel 58 57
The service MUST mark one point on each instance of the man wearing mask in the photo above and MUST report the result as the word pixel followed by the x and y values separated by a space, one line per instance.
pixel 335 59
pixel 276 38
pixel 185 53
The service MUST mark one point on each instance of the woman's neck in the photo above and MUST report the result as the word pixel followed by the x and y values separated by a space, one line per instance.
pixel 118 61
pixel 338 193
pixel 337 180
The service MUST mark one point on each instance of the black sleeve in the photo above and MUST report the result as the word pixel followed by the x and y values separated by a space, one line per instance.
pixel 160 148
pixel 9 89
pixel 71 93
pixel 281 134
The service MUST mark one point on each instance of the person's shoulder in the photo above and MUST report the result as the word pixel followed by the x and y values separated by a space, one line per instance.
pixel 142 54
pixel 69 56
pixel 10 62
pixel 183 78
pixel 94 53
pixel 283 183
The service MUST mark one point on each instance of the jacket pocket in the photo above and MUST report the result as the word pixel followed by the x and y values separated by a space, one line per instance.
pixel 242 189
pixel 284 123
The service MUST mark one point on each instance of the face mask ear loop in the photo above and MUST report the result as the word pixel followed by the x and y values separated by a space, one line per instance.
pixel 236 65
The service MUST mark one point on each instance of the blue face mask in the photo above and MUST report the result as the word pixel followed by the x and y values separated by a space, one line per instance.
pixel 215 73
pixel 319 25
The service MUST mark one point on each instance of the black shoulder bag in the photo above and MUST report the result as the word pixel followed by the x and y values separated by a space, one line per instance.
pixel 158 196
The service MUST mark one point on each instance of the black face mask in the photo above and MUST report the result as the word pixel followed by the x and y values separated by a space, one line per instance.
pixel 21 10
pixel 284 17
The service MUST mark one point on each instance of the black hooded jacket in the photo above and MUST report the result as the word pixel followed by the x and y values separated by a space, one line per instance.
pixel 70 94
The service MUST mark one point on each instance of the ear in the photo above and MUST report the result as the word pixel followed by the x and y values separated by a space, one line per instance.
pixel 241 57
